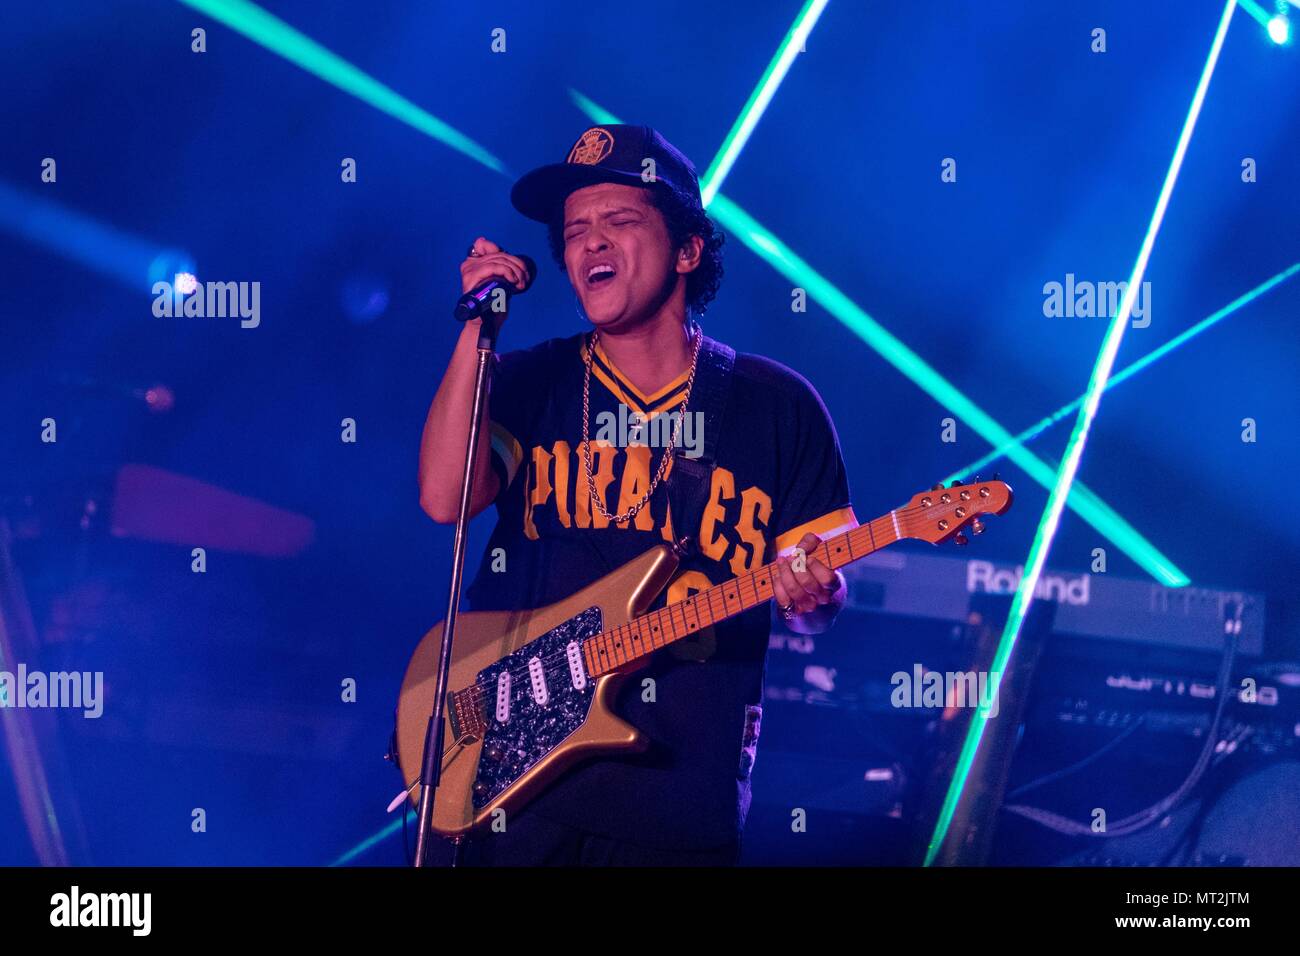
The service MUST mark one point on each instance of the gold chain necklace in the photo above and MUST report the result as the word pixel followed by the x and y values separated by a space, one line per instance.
pixel 668 452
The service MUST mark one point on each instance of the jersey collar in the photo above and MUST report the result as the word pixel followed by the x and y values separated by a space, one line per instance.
pixel 604 369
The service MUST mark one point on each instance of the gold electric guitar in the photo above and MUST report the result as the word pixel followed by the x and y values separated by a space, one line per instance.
pixel 533 691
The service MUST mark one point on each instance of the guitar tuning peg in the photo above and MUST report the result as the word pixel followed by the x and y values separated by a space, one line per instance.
pixel 977 526
pixel 961 539
pixel 955 483
pixel 938 487
pixel 995 476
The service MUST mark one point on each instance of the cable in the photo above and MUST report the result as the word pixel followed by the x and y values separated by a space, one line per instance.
pixel 1076 767
pixel 1144 818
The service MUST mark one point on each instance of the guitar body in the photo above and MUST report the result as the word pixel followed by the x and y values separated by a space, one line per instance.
pixel 550 726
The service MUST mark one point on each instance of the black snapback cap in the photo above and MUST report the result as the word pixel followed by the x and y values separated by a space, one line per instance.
pixel 612 153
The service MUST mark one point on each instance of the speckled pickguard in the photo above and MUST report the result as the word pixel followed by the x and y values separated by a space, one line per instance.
pixel 533 730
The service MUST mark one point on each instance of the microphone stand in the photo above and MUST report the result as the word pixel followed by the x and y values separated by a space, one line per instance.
pixel 431 764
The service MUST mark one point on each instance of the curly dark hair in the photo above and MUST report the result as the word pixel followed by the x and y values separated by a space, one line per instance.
pixel 684 217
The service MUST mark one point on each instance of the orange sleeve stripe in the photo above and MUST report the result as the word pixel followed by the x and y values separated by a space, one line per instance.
pixel 827 526
pixel 507 449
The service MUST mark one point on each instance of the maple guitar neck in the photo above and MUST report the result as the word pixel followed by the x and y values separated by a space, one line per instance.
pixel 644 635
pixel 935 516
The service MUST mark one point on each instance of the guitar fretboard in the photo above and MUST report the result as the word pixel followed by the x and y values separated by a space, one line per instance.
pixel 646 634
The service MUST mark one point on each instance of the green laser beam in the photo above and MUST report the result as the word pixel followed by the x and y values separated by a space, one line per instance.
pixel 1033 431
pixel 1256 11
pixel 373 840
pixel 1086 504
pixel 783 259
pixel 790 47
pixel 301 50
pixel 1050 520
pixel 594 111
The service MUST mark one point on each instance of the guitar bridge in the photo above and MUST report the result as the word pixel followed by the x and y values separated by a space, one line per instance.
pixel 466 717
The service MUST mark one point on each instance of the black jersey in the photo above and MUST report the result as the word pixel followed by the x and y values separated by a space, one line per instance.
pixel 779 474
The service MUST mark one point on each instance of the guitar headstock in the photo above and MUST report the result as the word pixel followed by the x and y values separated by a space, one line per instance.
pixel 943 513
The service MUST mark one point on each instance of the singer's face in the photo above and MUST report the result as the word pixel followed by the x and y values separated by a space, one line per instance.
pixel 619 255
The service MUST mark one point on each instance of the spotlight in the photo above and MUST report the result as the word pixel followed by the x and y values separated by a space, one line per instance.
pixel 169 265
pixel 185 283
pixel 1279 29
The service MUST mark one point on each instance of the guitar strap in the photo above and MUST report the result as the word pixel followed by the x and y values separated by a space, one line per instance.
pixel 691 478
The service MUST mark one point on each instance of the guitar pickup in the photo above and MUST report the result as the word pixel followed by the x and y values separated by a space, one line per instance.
pixel 576 672
pixel 537 677
pixel 503 697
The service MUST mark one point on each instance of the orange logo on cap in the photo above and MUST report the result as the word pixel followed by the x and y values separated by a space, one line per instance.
pixel 591 147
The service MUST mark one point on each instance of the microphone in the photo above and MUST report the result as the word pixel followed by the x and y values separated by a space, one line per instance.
pixel 479 300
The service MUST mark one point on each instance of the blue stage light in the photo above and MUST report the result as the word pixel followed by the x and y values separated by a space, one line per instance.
pixel 169 266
